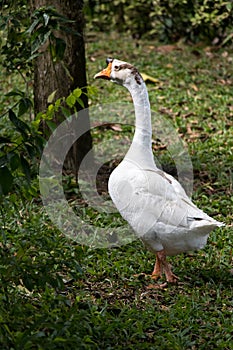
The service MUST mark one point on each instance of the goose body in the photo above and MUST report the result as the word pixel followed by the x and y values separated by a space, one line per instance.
pixel 150 200
pixel 160 214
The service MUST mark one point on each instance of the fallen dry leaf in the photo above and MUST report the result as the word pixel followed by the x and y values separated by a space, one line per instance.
pixel 149 78
pixel 115 127
pixel 194 87
pixel 168 48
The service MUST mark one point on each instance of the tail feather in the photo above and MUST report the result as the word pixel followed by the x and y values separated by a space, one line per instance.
pixel 204 225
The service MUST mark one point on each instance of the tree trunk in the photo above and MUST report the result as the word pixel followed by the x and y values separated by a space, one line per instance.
pixel 66 75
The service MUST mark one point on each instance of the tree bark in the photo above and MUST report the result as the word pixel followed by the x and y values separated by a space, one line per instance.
pixel 66 75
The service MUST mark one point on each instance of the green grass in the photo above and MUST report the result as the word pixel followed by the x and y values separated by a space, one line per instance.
pixel 56 294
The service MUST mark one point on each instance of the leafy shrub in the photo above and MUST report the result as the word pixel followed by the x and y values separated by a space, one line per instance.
pixel 167 19
pixel 202 19
pixel 21 141
pixel 15 46
pixel 121 15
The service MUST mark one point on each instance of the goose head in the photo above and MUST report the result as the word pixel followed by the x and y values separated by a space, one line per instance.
pixel 120 72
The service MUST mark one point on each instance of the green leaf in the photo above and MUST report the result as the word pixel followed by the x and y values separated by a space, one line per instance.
pixel 26 168
pixel 58 103
pixel 14 160
pixel 32 57
pixel 24 105
pixel 65 111
pixel 71 100
pixel 30 149
pixel 40 41
pixel 80 101
pixel 46 19
pixel 60 339
pixel 6 180
pixel 40 334
pixel 33 26
pixel 228 39
pixel 229 5
pixel 39 143
pixel 77 92
pixel 52 126
pixel 51 96
pixel 18 123
pixel 15 92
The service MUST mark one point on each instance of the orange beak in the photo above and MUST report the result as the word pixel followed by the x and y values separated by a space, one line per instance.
pixel 105 73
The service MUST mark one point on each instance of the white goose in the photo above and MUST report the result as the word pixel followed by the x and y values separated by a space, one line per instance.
pixel 153 202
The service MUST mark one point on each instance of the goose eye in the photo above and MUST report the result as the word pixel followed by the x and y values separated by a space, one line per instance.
pixel 117 67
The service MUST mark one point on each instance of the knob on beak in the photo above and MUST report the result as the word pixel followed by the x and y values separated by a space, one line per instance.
pixel 105 73
pixel 109 60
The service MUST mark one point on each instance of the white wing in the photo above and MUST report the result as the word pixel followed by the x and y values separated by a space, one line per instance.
pixel 158 209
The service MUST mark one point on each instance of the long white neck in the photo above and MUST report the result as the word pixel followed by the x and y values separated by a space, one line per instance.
pixel 140 149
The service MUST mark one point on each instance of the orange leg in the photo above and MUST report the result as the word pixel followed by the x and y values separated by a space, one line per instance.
pixel 158 269
pixel 162 261
pixel 161 265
